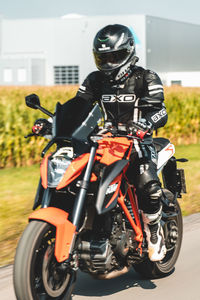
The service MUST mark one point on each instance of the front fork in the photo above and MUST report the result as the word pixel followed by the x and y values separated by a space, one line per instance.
pixel 65 229
pixel 84 185
pixel 81 196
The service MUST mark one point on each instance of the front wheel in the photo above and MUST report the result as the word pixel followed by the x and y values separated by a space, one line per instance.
pixel 37 274
pixel 173 230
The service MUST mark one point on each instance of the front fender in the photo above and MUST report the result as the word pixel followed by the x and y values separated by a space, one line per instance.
pixel 65 230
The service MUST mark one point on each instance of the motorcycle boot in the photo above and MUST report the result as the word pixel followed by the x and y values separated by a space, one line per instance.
pixel 154 235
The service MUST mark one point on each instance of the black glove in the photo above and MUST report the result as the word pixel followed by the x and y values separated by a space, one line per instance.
pixel 42 127
pixel 140 128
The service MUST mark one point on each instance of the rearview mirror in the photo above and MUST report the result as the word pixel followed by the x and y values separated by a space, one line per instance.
pixel 32 101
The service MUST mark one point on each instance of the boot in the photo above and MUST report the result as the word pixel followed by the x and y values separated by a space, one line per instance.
pixel 154 235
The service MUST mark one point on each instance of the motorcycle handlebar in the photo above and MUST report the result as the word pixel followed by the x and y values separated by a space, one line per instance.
pixel 29 135
pixel 45 111
pixel 103 135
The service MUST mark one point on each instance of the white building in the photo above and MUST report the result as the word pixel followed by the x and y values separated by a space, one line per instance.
pixel 59 51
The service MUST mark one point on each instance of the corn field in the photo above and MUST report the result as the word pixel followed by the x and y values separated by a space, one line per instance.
pixel 183 107
pixel 16 120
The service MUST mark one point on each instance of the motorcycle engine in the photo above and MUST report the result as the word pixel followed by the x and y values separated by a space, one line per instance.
pixel 105 248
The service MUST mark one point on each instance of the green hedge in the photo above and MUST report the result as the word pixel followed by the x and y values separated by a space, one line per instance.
pixel 16 120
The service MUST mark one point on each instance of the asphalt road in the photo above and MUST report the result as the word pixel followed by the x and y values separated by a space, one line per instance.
pixel 183 284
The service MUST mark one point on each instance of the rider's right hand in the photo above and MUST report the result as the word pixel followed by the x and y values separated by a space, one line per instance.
pixel 140 128
pixel 42 127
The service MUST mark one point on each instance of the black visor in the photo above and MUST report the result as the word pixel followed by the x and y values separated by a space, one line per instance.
pixel 111 60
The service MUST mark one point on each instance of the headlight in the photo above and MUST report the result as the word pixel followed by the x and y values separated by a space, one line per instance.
pixel 56 169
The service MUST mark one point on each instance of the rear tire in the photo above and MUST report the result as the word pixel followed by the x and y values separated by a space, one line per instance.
pixel 36 273
pixel 173 230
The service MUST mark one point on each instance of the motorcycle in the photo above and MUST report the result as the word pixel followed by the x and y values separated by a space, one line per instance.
pixel 86 215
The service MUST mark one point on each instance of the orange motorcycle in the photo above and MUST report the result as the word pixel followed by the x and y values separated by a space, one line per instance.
pixel 86 215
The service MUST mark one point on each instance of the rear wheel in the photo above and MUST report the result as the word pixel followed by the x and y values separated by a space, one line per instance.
pixel 173 231
pixel 37 274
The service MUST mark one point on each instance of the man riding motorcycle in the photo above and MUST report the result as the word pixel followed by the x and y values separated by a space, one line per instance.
pixel 120 86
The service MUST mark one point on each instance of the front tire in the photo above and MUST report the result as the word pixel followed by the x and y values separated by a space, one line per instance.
pixel 37 275
pixel 173 230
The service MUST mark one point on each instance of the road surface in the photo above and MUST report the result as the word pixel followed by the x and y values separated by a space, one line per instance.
pixel 183 284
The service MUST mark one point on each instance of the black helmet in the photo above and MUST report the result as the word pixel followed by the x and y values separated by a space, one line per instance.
pixel 114 48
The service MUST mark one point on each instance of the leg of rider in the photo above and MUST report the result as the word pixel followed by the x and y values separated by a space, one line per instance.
pixel 149 195
pixel 151 214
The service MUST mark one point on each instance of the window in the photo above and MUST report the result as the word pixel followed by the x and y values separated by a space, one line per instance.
pixel 8 75
pixel 176 82
pixel 21 75
pixel 66 74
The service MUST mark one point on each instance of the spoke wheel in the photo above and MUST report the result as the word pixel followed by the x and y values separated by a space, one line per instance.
pixel 37 274
pixel 173 231
pixel 54 280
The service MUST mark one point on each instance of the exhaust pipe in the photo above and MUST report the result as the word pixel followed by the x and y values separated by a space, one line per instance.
pixel 112 274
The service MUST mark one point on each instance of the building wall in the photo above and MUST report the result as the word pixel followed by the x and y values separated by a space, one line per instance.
pixel 23 41
pixel 186 79
pixel 1 20
pixel 14 71
pixel 172 46
pixel 44 42
pixel 42 51
pixel 58 42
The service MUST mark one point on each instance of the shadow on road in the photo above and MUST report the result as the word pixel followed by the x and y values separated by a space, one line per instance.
pixel 87 286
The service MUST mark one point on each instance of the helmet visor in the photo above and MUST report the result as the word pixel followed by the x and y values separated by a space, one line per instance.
pixel 112 60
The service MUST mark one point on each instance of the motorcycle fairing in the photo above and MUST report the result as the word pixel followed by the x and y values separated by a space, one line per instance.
pixel 164 155
pixel 39 195
pixel 88 125
pixel 44 170
pixel 110 173
pixel 65 230
pixel 113 149
pixel 74 170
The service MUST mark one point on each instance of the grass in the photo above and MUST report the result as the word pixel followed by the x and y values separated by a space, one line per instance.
pixel 18 187
pixel 190 203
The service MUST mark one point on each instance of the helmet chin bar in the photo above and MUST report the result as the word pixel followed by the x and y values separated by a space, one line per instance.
pixel 120 75
pixel 123 71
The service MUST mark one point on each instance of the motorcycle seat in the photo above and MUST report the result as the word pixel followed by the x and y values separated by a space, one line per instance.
pixel 160 143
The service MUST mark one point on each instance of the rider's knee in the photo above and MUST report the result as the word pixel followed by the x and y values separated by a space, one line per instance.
pixel 150 197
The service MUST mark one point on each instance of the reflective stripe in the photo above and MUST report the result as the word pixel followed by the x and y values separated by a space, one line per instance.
pixel 137 148
pixel 156 86
pixel 104 110
pixel 135 112
pixel 81 91
pixel 83 87
pixel 155 92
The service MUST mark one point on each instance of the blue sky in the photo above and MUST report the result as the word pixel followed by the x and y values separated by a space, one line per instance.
pixel 180 10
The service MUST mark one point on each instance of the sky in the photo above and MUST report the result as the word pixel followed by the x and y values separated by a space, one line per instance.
pixel 180 10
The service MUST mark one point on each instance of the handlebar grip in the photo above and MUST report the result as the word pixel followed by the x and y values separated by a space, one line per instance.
pixel 141 134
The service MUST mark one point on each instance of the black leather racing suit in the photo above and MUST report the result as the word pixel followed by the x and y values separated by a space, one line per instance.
pixel 118 103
